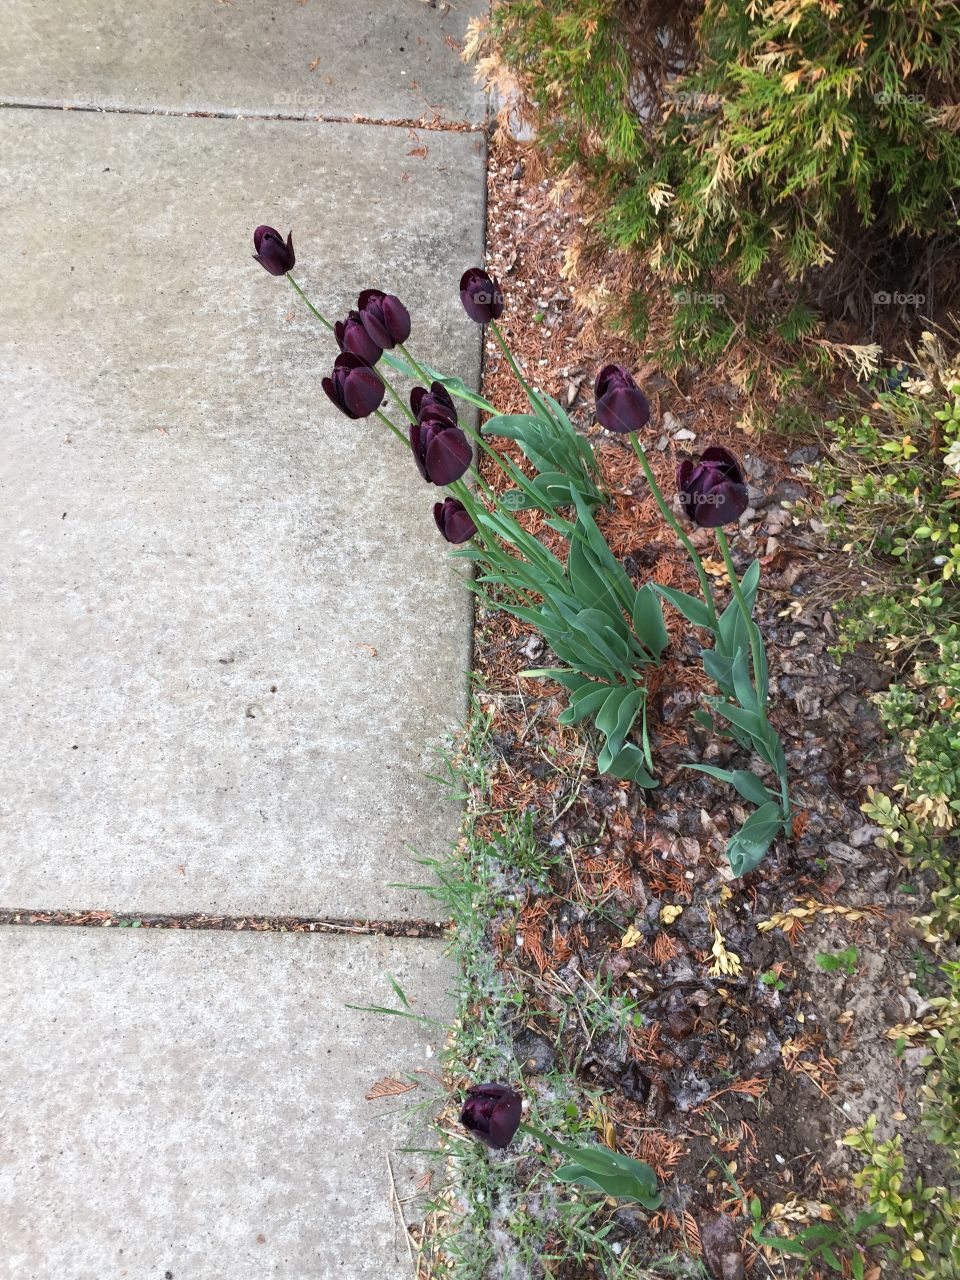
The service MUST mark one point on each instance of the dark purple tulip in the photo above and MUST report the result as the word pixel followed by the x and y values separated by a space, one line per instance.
pixel 352 336
pixel 272 254
pixel 621 405
pixel 354 387
pixel 492 1113
pixel 481 296
pixel 712 490
pixel 453 520
pixel 441 451
pixel 384 317
pixel 435 403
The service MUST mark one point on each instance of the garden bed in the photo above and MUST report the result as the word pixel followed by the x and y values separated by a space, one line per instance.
pixel 728 1032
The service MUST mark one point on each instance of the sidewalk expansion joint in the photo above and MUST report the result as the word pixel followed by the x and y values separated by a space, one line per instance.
pixel 428 124
pixel 227 924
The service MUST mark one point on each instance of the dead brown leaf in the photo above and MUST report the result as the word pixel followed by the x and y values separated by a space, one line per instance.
pixel 390 1087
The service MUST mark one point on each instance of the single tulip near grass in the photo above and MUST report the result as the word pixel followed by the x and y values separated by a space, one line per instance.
pixel 272 253
pixel 353 386
pixel 712 489
pixel 493 1114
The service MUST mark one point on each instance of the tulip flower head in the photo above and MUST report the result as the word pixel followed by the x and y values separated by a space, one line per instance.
pixel 621 405
pixel 712 489
pixel 271 252
pixel 481 296
pixel 492 1113
pixel 440 448
pixel 384 317
pixel 453 520
pixel 435 403
pixel 351 335
pixel 353 386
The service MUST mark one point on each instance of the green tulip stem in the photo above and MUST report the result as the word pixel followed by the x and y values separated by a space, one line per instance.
pixel 391 390
pixel 322 318
pixel 478 480
pixel 396 431
pixel 501 342
pixel 755 642
pixel 545 1138
pixel 421 373
pixel 675 525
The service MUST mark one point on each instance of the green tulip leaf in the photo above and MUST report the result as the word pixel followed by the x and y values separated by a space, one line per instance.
pixel 615 718
pixel 747 848
pixel 742 685
pixel 571 680
pixel 719 667
pixel 607 635
pixel 648 621
pixel 610 1172
pixel 515 500
pixel 693 610
pixel 747 783
pixel 456 386
pixel 631 764
pixel 748 721
pixel 587 704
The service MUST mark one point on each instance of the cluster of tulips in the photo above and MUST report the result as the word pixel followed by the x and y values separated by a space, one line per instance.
pixel 588 610
pixel 712 491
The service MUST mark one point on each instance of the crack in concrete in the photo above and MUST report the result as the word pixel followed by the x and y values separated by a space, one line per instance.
pixel 431 125
pixel 92 919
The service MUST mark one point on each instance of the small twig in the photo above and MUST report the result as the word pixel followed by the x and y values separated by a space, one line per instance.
pixel 397 1204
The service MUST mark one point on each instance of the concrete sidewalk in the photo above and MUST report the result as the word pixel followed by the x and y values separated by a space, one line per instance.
pixel 231 638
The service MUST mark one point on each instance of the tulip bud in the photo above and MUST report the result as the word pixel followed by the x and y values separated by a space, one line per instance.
pixel 453 520
pixel 492 1113
pixel 352 336
pixel 621 405
pixel 481 296
pixel 435 403
pixel 272 254
pixel 353 386
pixel 384 317
pixel 712 490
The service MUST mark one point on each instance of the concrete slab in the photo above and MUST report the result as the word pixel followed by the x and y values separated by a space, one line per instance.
pixel 380 59
pixel 193 1104
pixel 230 636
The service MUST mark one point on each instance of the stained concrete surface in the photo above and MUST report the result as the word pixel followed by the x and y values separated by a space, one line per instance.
pixel 195 1104
pixel 231 637
pixel 380 59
